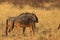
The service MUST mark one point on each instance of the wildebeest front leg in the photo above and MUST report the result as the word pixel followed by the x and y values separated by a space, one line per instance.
pixel 24 30
pixel 33 28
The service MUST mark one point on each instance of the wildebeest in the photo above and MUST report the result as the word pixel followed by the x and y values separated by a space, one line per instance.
pixel 24 19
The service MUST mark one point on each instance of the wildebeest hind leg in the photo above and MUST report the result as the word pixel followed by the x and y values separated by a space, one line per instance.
pixel 6 27
pixel 6 31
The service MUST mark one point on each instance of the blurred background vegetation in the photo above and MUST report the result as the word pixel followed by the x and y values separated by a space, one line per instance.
pixel 35 3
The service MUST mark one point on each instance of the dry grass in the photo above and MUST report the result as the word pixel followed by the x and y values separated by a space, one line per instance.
pixel 46 27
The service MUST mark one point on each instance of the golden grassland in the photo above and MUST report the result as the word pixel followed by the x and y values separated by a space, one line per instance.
pixel 49 21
